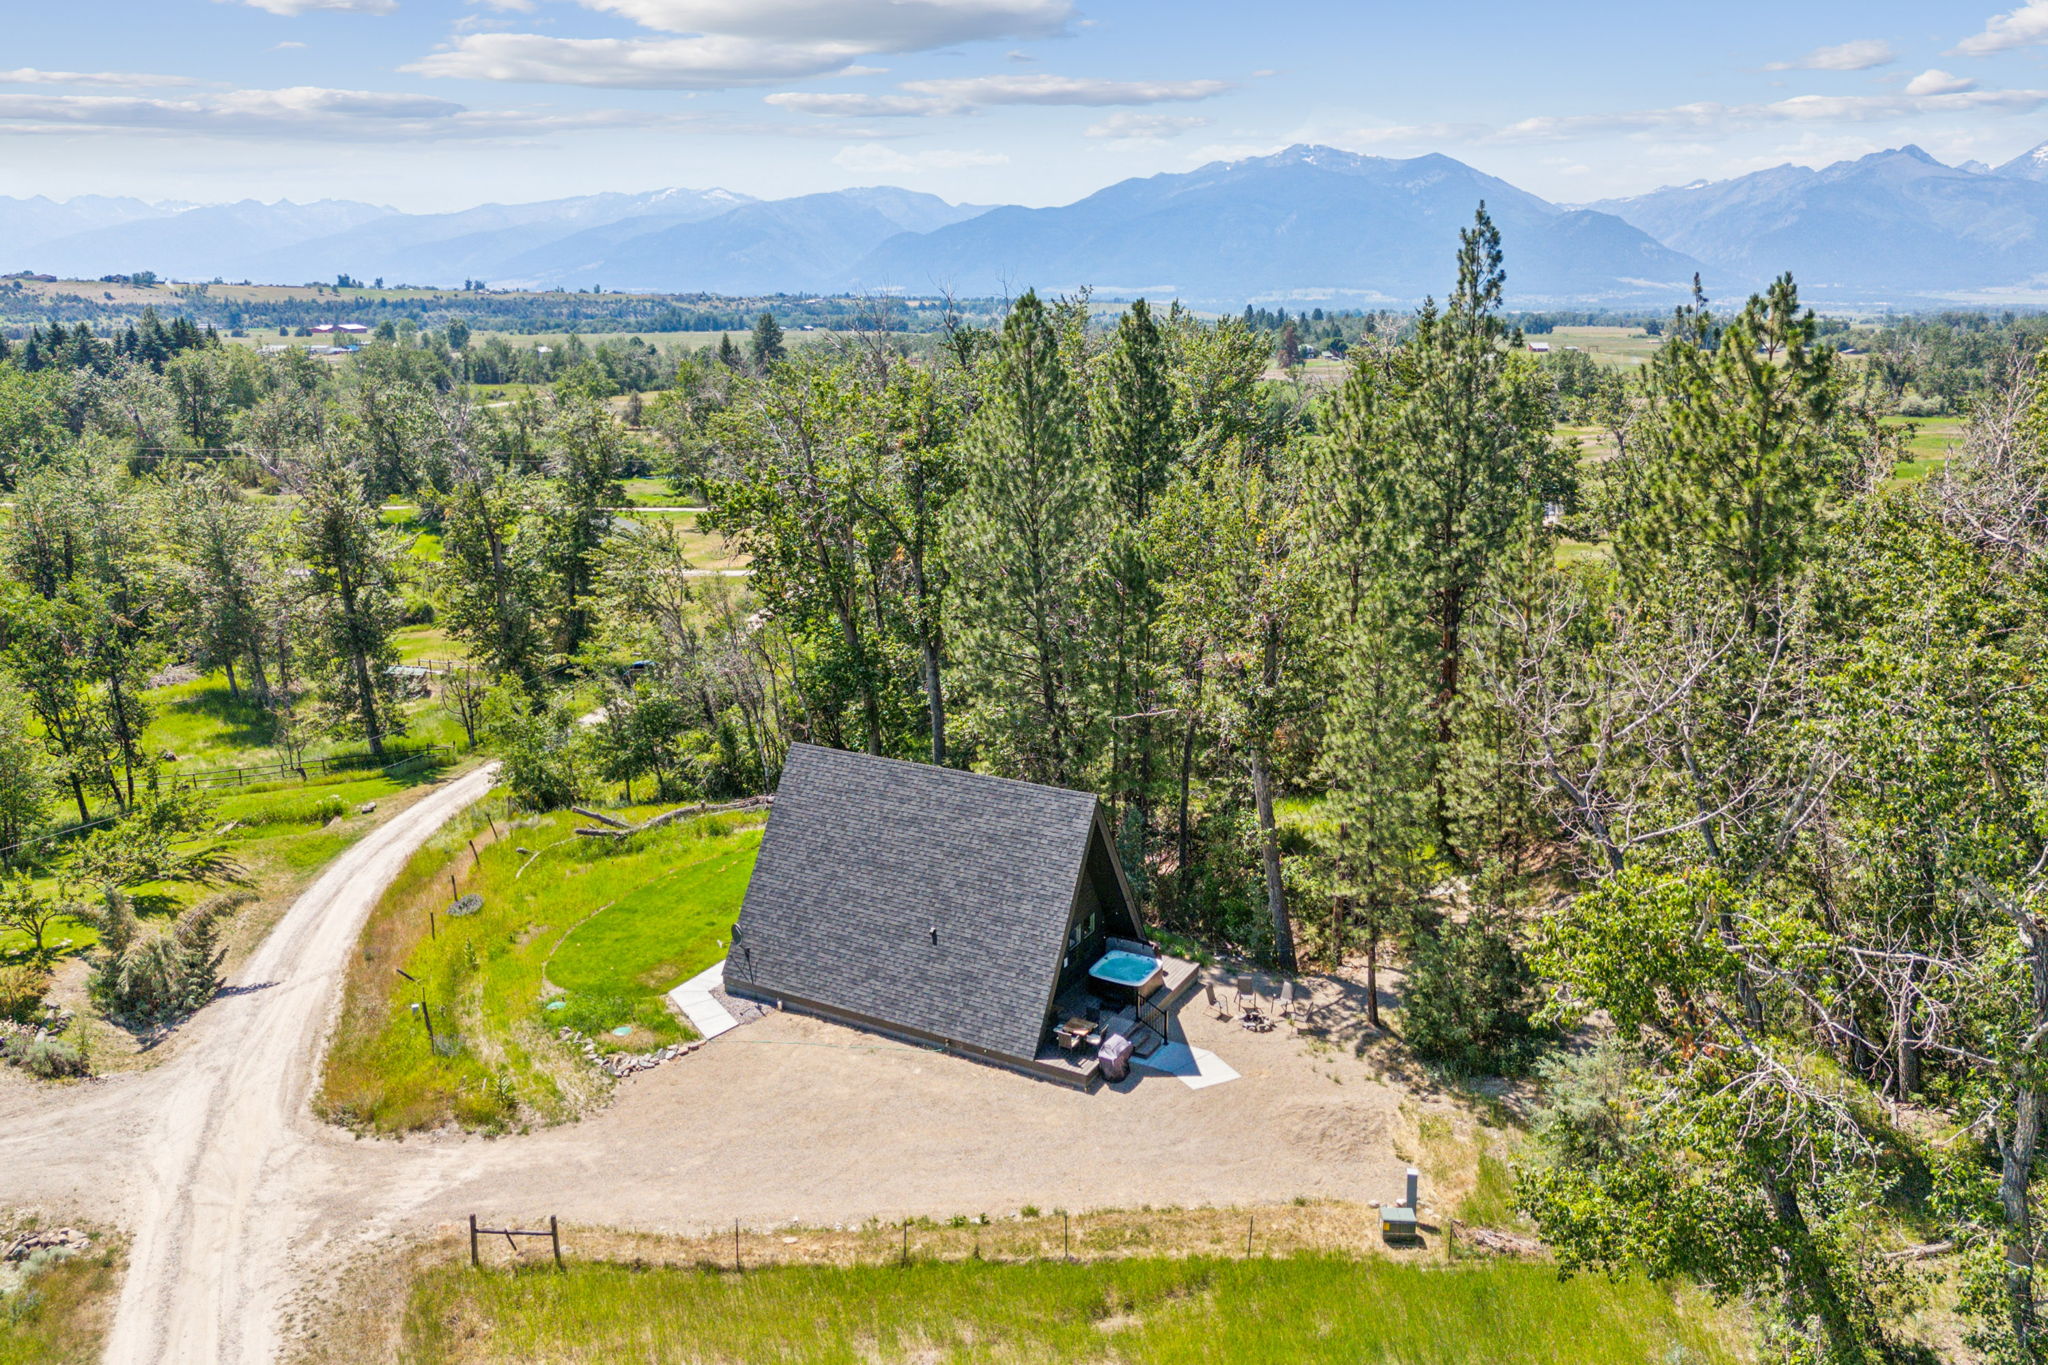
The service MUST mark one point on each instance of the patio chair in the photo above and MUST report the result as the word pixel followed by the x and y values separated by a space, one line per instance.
pixel 1285 1009
pixel 1248 1001
pixel 1215 1002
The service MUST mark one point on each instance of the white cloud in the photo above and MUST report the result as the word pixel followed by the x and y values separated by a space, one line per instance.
pixel 1072 90
pixel 719 44
pixel 965 95
pixel 856 106
pixel 131 80
pixel 313 114
pixel 1710 118
pixel 509 6
pixel 1860 55
pixel 1423 134
pixel 1938 82
pixel 291 7
pixel 708 63
pixel 878 25
pixel 286 46
pixel 1146 127
pixel 872 158
pixel 2026 26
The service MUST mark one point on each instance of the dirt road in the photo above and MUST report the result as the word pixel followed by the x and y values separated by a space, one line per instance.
pixel 202 1155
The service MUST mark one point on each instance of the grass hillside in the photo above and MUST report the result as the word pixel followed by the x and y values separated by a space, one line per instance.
pixel 584 932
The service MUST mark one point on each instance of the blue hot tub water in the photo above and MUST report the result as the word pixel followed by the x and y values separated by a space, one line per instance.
pixel 1125 969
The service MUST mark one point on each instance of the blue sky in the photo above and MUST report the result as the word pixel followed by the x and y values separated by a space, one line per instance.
pixel 437 104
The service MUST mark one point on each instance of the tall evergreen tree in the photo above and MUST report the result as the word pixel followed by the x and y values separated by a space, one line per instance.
pixel 1440 458
pixel 1025 525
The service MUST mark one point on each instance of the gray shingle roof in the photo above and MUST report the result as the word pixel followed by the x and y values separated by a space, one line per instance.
pixel 864 856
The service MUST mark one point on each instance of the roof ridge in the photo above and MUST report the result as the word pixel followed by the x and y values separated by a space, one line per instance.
pixel 943 768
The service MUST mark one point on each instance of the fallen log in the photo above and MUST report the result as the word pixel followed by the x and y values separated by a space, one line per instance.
pixel 602 819
pixel 623 831
pixel 1920 1253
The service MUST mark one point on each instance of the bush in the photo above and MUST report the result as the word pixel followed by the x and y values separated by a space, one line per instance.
pixel 1469 997
pixel 1921 405
pixel 21 991
pixel 50 1058
pixel 160 975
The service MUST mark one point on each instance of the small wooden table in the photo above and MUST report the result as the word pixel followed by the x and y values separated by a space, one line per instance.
pixel 1075 1032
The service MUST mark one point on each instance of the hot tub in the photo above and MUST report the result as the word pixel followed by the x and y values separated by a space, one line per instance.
pixel 1126 976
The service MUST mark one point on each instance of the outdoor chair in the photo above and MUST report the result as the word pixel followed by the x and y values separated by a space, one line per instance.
pixel 1248 1001
pixel 1215 1001
pixel 1285 1009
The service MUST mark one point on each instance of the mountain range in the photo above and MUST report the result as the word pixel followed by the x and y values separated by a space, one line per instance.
pixel 1308 224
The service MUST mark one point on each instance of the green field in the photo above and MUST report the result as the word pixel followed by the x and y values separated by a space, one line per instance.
pixel 1304 1308
pixel 590 934
pixel 1932 443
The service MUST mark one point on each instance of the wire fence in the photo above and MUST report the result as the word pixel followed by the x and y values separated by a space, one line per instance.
pixel 1325 1226
pixel 393 757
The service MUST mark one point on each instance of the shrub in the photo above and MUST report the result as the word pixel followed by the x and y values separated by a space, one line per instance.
pixel 160 975
pixel 50 1058
pixel 21 991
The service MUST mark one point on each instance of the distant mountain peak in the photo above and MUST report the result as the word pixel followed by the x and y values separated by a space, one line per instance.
pixel 2028 165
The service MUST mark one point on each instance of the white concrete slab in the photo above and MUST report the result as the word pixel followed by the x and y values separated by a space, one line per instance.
pixel 695 1000
pixel 1195 1067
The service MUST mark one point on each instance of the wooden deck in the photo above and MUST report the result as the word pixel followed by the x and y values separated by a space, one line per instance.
pixel 1080 1067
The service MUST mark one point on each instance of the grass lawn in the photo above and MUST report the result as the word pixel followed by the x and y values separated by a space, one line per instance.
pixel 1933 440
pixel 706 549
pixel 598 929
pixel 1305 1307
pixel 204 727
pixel 654 493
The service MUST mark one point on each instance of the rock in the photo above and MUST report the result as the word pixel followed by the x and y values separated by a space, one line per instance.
pixel 68 1240
pixel 367 808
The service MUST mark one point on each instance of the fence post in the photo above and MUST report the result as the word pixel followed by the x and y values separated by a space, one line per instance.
pixel 906 1241
pixel 736 1269
pixel 1066 1242
pixel 1249 1220
pixel 474 1264
pixel 555 1236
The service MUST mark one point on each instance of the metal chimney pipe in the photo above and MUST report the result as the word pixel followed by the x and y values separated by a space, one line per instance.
pixel 1414 1199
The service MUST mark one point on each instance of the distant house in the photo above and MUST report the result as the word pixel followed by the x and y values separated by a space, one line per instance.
pixel 1540 347
pixel 971 913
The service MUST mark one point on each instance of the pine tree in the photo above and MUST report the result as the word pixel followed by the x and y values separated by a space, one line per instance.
pixel 764 346
pixel 1026 521
pixel 1439 461
pixel 1136 443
